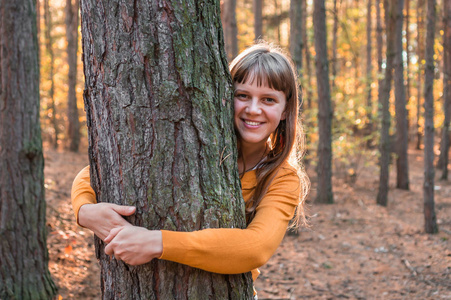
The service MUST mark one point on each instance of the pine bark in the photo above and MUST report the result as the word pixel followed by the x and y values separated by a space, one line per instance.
pixel 296 38
pixel 158 98
pixel 258 19
pixel 384 99
pixel 430 219
pixel 402 163
pixel 446 131
pixel 51 94
pixel 324 168
pixel 72 7
pixel 230 29
pixel 24 258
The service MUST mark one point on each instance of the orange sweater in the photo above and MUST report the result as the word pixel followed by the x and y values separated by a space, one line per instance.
pixel 224 250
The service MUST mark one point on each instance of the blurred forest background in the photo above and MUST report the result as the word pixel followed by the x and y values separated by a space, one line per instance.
pixel 374 143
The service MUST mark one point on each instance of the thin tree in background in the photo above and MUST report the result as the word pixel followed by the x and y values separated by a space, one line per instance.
pixel 51 62
pixel 380 43
pixel 384 100
pixel 308 68
pixel 72 7
pixel 445 142
pixel 407 29
pixel 157 127
pixel 402 162
pixel 38 28
pixel 296 37
pixel 430 219
pixel 369 68
pixel 420 51
pixel 258 19
pixel 230 29
pixel 324 154
pixel 24 257
pixel 334 45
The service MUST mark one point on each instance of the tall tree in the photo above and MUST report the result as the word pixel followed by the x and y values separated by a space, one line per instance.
pixel 158 99
pixel 72 7
pixel 380 43
pixel 258 18
pixel 334 45
pixel 24 258
pixel 384 102
pixel 308 69
pixel 369 68
pixel 402 162
pixel 445 142
pixel 430 219
pixel 324 168
pixel 51 62
pixel 296 37
pixel 407 29
pixel 230 28
pixel 421 45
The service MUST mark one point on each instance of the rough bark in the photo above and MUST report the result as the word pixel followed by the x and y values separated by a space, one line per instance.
pixel 296 38
pixel 72 7
pixel 51 93
pixel 158 98
pixel 446 131
pixel 384 98
pixel 402 163
pixel 230 29
pixel 369 67
pixel 324 168
pixel 430 219
pixel 420 42
pixel 258 18
pixel 24 258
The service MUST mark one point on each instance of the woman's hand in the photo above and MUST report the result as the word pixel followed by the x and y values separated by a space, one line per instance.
pixel 101 218
pixel 134 245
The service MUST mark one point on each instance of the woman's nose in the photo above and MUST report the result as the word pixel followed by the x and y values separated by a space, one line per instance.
pixel 253 108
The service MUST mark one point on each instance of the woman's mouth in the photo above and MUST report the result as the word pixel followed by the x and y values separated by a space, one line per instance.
pixel 252 123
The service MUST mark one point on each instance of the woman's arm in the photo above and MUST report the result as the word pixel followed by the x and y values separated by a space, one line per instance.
pixel 101 218
pixel 227 251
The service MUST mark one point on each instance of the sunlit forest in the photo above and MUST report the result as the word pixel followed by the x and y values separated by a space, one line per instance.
pixel 376 107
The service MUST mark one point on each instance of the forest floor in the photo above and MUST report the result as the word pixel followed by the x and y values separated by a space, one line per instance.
pixel 353 249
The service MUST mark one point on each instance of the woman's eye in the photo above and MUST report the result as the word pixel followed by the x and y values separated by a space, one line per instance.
pixel 241 96
pixel 269 100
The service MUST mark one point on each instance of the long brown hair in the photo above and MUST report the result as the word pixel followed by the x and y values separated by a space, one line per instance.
pixel 269 65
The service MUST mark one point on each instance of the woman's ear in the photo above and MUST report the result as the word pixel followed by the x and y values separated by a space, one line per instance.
pixel 284 115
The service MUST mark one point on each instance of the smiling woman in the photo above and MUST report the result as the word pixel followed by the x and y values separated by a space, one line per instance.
pixel 274 188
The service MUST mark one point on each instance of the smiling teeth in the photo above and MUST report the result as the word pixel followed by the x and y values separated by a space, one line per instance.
pixel 252 123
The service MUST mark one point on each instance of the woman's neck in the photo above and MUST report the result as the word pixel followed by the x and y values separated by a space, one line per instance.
pixel 251 155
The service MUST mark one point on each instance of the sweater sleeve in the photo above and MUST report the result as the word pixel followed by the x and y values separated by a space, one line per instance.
pixel 233 251
pixel 82 192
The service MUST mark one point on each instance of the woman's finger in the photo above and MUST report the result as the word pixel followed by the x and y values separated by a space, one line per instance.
pixel 112 234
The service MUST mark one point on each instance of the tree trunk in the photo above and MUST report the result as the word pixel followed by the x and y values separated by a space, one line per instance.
pixel 408 66
pixel 51 94
pixel 324 168
pixel 445 142
pixel 430 220
pixel 158 98
pixel 369 68
pixel 296 37
pixel 308 68
pixel 420 42
pixel 380 43
pixel 258 19
pixel 24 258
pixel 230 29
pixel 334 45
pixel 402 163
pixel 72 7
pixel 384 99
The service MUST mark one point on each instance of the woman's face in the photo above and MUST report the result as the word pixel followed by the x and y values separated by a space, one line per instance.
pixel 258 112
